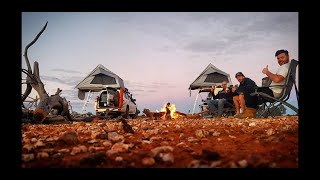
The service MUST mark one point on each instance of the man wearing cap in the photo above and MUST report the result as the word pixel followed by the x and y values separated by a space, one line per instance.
pixel 242 98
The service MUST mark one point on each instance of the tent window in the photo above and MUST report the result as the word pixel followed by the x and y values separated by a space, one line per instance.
pixel 103 79
pixel 216 78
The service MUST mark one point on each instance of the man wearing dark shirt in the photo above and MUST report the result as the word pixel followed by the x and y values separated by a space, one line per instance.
pixel 220 99
pixel 242 98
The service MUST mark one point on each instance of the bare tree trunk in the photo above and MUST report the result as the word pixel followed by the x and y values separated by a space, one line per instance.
pixel 50 108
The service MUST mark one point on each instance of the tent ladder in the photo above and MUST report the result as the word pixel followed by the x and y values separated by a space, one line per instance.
pixel 84 108
pixel 194 105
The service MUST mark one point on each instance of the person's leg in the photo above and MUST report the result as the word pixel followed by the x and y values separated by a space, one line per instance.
pixel 236 104
pixel 242 102
pixel 250 103
pixel 266 90
pixel 221 103
pixel 211 105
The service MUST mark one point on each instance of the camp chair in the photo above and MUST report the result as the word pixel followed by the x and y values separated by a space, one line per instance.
pixel 228 109
pixel 265 99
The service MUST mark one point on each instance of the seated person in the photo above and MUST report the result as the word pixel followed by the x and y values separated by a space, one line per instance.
pixel 242 98
pixel 220 99
pixel 279 77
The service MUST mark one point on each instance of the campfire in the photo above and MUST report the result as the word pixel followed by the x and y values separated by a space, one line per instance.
pixel 170 110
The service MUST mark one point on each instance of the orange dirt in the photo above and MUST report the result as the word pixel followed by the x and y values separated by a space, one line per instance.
pixel 182 143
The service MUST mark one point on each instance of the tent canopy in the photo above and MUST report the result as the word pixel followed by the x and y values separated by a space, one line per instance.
pixel 99 79
pixel 211 75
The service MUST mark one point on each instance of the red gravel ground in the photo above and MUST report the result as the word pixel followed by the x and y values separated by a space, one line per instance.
pixel 179 143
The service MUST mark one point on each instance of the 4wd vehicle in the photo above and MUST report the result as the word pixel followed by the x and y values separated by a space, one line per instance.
pixel 115 102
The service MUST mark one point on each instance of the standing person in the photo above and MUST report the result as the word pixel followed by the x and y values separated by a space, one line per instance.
pixel 279 77
pixel 220 99
pixel 242 98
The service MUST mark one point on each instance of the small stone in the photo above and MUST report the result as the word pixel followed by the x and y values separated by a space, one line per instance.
pixel 243 163
pixel 83 148
pixel 27 157
pixel 167 157
pixel 119 159
pixel 215 164
pixel 75 150
pixel 42 155
pixel 33 140
pixel 39 144
pixel 194 164
pixel 27 148
pixel 148 161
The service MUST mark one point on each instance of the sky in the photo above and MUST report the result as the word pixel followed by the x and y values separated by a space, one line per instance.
pixel 157 54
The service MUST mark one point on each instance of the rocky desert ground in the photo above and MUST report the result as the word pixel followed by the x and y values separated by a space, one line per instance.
pixel 178 143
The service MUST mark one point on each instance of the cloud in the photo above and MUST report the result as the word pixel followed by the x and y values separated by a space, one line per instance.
pixel 67 80
pixel 147 87
pixel 205 46
pixel 54 79
pixel 231 32
pixel 67 71
pixel 151 91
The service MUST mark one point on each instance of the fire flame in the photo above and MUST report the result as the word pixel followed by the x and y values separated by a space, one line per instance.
pixel 172 109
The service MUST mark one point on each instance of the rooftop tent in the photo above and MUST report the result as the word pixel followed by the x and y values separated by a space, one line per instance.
pixel 97 80
pixel 211 75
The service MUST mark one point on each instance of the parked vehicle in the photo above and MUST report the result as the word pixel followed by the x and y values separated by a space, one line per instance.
pixel 115 102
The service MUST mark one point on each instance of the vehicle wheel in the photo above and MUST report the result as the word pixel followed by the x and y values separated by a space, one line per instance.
pixel 126 114
pixel 135 116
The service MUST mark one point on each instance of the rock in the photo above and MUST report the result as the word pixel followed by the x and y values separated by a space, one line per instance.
pixel 167 157
pixel 243 163
pixel 39 144
pixel 194 164
pixel 119 159
pixel 63 150
pixel 107 144
pixel 95 149
pixel 149 132
pixel 27 148
pixel 270 132
pixel 27 157
pixel 148 161
pixel 70 138
pixel 42 155
pixel 233 165
pixel 83 148
pixel 164 143
pixel 99 135
pixel 93 141
pixel 120 147
pixel 161 149
pixel 215 164
pixel 200 133
pixel 115 137
pixel 75 150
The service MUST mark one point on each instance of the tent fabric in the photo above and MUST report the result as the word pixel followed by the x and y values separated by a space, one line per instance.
pixel 211 75
pixel 99 79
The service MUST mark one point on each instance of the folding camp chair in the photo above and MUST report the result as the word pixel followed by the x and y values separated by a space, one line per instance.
pixel 264 109
pixel 228 109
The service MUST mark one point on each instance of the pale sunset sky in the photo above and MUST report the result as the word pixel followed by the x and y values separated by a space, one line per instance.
pixel 157 54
